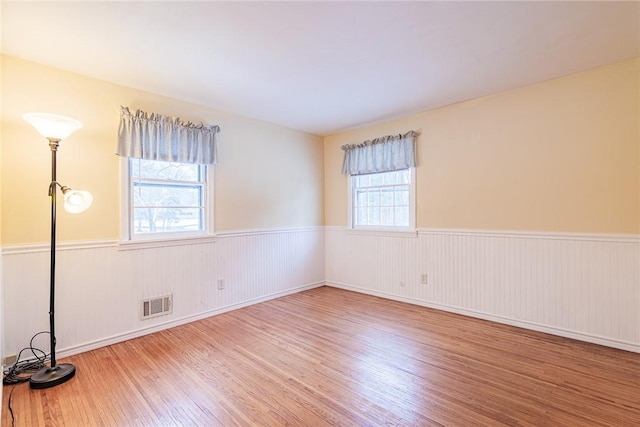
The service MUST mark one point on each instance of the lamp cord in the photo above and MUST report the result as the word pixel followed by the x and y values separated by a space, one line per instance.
pixel 21 371
pixel 13 417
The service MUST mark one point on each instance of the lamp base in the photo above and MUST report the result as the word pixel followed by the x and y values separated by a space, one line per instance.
pixel 51 377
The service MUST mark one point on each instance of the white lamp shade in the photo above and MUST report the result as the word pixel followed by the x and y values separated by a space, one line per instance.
pixel 76 201
pixel 52 125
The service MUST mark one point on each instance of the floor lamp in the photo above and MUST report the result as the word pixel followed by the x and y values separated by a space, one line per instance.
pixel 56 128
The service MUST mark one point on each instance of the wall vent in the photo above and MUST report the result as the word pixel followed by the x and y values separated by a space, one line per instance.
pixel 156 307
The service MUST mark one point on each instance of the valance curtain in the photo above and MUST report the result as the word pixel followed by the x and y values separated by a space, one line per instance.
pixel 156 137
pixel 388 153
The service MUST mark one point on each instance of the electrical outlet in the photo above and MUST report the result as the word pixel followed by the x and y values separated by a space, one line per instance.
pixel 424 279
pixel 220 284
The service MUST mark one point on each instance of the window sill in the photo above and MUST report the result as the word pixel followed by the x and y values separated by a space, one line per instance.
pixel 382 232
pixel 132 245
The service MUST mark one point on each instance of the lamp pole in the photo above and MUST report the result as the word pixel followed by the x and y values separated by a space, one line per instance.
pixel 53 143
pixel 55 374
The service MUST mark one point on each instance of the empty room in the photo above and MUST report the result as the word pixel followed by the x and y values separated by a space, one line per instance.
pixel 317 213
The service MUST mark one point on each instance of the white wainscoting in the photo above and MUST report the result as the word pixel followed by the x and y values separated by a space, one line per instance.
pixel 579 286
pixel 574 285
pixel 99 285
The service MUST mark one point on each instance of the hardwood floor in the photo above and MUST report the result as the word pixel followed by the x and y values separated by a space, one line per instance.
pixel 331 357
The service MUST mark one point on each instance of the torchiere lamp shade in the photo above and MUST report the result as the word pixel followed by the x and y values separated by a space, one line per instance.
pixel 52 125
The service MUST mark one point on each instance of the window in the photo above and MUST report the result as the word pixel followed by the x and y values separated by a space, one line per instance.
pixel 166 199
pixel 165 166
pixel 381 180
pixel 383 200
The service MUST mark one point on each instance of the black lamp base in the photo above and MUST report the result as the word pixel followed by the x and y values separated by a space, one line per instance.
pixel 51 377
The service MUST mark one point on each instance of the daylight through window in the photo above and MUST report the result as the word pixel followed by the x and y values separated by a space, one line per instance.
pixel 167 197
pixel 382 199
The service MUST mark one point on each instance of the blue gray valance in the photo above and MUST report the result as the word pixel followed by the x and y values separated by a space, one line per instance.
pixel 388 153
pixel 156 137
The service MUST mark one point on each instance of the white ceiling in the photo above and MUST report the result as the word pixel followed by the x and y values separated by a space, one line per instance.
pixel 322 67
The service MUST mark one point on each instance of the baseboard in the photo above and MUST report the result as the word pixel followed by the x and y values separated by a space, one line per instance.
pixel 93 345
pixel 593 339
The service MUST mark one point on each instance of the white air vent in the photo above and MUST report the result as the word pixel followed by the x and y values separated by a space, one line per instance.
pixel 156 307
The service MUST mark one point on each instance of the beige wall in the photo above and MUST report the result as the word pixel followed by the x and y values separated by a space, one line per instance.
pixel 562 155
pixel 268 176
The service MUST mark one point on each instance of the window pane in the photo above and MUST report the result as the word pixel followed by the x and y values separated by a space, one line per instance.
pixel 386 216
pixel 159 220
pixel 361 198
pixel 401 216
pixel 152 169
pixel 386 197
pixel 391 178
pixel 362 180
pixel 402 197
pixel 374 198
pixel 146 194
pixel 361 216
pixel 166 196
pixel 382 199
pixel 373 216
pixel 376 179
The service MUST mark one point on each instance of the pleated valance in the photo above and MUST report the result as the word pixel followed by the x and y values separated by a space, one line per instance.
pixel 156 137
pixel 388 153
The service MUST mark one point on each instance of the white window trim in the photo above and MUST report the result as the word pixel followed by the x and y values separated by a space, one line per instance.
pixel 390 230
pixel 128 241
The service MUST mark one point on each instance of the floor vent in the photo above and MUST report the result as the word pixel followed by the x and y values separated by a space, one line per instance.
pixel 156 307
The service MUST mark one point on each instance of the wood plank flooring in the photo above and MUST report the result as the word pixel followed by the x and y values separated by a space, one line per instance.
pixel 328 357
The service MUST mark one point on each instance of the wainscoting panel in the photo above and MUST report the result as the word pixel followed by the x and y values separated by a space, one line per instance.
pixel 99 286
pixel 579 286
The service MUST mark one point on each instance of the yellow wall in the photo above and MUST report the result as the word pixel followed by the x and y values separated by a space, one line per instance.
pixel 268 176
pixel 562 156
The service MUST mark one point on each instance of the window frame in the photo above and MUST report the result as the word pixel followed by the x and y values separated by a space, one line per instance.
pixel 129 238
pixel 389 228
